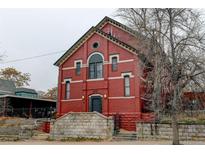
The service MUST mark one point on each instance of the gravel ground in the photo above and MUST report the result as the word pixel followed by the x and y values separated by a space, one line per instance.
pixel 40 142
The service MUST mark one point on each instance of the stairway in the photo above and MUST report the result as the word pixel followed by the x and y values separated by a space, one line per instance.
pixel 38 135
pixel 125 136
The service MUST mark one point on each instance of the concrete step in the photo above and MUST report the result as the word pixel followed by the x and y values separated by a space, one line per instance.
pixel 38 135
pixel 125 136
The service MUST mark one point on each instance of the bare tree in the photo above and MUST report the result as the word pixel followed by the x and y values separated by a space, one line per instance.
pixel 178 42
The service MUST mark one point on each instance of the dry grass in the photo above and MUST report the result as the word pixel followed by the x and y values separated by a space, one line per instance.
pixel 195 118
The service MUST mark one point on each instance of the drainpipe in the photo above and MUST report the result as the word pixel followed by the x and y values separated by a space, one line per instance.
pixel 107 79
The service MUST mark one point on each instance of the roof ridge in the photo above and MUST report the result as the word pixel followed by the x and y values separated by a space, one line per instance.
pixel 127 28
pixel 114 38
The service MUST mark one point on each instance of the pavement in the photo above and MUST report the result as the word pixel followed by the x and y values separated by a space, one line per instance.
pixel 40 142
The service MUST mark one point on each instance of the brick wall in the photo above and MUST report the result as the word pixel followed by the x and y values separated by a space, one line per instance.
pixel 164 131
pixel 82 124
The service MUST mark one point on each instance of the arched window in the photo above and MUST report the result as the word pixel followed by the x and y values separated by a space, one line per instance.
pixel 96 66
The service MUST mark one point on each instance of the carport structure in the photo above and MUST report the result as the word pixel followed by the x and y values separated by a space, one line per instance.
pixel 17 106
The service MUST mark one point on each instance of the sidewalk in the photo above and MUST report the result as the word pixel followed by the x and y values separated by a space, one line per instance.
pixel 40 142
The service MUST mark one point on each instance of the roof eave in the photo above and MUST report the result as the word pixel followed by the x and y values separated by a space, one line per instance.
pixel 58 62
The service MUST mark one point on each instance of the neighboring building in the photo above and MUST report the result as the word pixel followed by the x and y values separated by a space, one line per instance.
pixel 23 102
pixel 26 92
pixel 104 71
pixel 7 87
pixel 194 100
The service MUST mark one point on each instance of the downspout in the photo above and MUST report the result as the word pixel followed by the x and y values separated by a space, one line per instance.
pixel 107 83
pixel 59 91
pixel 86 76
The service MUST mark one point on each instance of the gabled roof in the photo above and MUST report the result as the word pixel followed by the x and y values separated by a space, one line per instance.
pixel 26 90
pixel 7 87
pixel 74 46
pixel 118 24
pixel 96 29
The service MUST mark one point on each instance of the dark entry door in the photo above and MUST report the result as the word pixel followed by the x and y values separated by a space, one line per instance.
pixel 96 104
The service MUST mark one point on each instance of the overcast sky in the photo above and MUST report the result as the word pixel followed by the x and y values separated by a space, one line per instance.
pixel 32 32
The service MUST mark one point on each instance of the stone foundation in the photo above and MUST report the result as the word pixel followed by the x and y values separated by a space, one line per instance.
pixel 82 125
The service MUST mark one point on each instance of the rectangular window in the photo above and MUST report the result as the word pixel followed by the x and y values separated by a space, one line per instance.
pixel 114 63
pixel 95 70
pixel 67 90
pixel 99 70
pixel 92 71
pixel 127 85
pixel 78 67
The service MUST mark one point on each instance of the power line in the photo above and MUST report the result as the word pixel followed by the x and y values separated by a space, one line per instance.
pixel 33 57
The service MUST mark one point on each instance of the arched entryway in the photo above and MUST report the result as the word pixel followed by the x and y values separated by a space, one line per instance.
pixel 95 103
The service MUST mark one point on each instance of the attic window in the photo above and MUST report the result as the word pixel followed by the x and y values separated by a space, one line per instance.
pixel 95 45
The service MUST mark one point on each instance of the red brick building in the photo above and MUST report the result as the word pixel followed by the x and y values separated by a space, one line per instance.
pixel 104 72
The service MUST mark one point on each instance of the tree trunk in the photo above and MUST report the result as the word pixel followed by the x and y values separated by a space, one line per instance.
pixel 175 131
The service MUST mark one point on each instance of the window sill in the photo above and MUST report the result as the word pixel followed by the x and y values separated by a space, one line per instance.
pixel 98 79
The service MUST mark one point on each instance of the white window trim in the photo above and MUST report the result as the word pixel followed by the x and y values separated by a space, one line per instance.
pixel 114 55
pixel 69 100
pixel 70 80
pixel 122 76
pixel 68 68
pixel 96 95
pixel 76 61
pixel 122 97
pixel 115 77
pixel 126 61
pixel 98 79
pixel 127 73
pixel 94 54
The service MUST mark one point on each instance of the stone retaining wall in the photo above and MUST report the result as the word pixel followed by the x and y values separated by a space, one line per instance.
pixel 16 127
pixel 82 125
pixel 164 131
